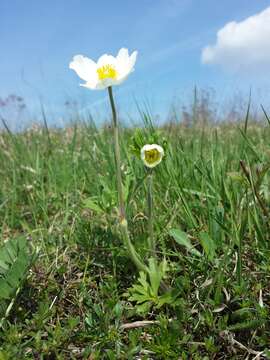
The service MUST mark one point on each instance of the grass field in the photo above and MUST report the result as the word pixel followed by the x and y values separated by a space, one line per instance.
pixel 211 224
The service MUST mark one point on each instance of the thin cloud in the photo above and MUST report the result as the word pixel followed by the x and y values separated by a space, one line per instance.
pixel 243 45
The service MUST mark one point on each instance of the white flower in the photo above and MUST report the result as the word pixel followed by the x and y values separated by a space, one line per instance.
pixel 108 70
pixel 152 155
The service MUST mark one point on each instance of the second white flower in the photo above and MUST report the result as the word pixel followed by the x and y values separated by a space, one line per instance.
pixel 152 155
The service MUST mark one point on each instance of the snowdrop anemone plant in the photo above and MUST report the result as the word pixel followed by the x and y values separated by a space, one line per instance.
pixel 107 72
pixel 151 156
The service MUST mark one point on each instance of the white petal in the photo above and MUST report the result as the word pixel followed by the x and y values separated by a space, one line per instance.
pixel 122 55
pixel 89 85
pixel 148 147
pixel 106 60
pixel 125 64
pixel 160 149
pixel 84 67
pixel 152 165
pixel 120 78
pixel 107 82
pixel 132 59
pixel 100 84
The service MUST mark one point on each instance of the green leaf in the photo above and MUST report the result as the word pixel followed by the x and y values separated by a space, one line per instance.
pixel 155 276
pixel 145 292
pixel 15 260
pixel 144 308
pixel 182 239
pixel 236 176
pixel 90 204
pixel 166 298
pixel 208 245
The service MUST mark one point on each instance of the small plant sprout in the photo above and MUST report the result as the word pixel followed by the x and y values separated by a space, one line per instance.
pixel 107 72
pixel 151 156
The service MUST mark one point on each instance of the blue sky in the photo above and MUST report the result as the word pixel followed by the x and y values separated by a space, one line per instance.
pixel 39 38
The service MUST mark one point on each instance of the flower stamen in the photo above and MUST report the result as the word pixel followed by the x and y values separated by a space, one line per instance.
pixel 152 156
pixel 106 72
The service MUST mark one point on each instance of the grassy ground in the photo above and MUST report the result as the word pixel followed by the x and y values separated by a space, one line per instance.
pixel 57 188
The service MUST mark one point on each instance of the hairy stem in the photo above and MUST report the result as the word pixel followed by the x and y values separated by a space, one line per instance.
pixel 131 250
pixel 151 240
pixel 122 214
pixel 117 157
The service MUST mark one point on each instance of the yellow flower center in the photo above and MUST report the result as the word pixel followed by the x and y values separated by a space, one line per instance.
pixel 151 156
pixel 106 72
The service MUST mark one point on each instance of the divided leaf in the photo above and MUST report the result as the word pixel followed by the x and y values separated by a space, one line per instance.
pixel 182 239
pixel 15 260
pixel 208 244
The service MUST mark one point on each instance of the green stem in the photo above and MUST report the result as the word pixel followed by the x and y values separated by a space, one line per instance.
pixel 131 250
pixel 151 240
pixel 122 214
pixel 117 157
pixel 239 262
